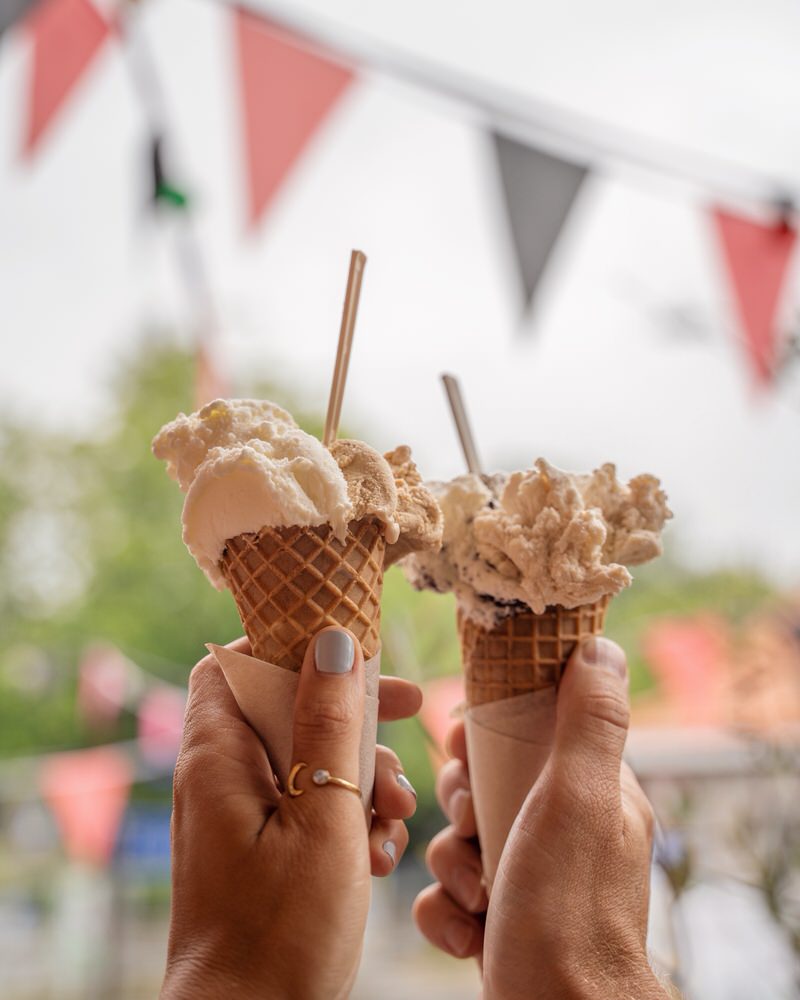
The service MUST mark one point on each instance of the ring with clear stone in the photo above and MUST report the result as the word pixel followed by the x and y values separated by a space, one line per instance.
pixel 320 777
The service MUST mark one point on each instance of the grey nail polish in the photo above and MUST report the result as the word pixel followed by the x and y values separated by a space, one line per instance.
pixel 334 652
pixel 406 785
pixel 390 848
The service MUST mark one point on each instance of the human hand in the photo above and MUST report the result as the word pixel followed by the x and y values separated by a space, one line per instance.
pixel 270 893
pixel 568 911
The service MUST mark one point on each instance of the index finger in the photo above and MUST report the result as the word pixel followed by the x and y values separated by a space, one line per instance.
pixel 398 699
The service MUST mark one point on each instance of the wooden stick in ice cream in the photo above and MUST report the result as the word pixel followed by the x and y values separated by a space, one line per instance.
pixel 358 261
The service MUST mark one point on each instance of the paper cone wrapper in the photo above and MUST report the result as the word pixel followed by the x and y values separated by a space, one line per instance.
pixel 265 694
pixel 512 673
pixel 288 583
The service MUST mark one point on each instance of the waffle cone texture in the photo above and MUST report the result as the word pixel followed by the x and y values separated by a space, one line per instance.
pixel 288 583
pixel 525 652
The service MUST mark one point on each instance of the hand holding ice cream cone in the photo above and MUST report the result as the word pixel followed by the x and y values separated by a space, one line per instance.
pixel 263 880
pixel 568 910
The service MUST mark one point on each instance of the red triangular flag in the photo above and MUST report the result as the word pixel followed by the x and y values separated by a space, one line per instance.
pixel 87 791
pixel 66 35
pixel 757 257
pixel 286 93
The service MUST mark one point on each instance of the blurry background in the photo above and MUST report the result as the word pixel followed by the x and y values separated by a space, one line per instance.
pixel 588 213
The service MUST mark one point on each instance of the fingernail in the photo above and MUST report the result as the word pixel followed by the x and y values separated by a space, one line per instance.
pixel 334 652
pixel 457 936
pixel 390 848
pixel 458 805
pixel 604 653
pixel 467 886
pixel 406 785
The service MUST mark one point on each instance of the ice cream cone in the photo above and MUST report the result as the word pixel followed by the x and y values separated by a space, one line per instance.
pixel 511 675
pixel 288 583
pixel 525 652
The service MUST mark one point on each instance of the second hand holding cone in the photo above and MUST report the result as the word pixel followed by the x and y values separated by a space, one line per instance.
pixel 533 559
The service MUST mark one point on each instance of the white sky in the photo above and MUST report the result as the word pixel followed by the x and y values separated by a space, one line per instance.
pixel 410 180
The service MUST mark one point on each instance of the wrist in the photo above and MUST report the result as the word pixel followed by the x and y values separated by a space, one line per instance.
pixel 190 977
pixel 637 983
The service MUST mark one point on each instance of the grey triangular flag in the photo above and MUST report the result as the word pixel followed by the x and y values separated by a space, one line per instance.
pixel 539 191
pixel 11 10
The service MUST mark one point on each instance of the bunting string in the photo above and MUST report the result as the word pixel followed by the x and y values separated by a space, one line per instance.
pixel 533 122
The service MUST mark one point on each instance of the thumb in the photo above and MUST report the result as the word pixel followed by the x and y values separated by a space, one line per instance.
pixel 329 717
pixel 592 715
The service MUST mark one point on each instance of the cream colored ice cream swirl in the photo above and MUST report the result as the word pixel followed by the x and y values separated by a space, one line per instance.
pixel 245 465
pixel 539 538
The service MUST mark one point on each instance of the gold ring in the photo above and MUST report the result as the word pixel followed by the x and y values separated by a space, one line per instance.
pixel 320 777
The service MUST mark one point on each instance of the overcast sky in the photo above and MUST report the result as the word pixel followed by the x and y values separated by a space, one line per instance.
pixel 598 373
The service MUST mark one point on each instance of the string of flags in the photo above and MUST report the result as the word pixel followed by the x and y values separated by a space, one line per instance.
pixel 288 89
pixel 87 791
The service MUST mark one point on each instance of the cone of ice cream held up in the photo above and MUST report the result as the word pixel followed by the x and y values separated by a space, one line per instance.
pixel 300 533
pixel 533 559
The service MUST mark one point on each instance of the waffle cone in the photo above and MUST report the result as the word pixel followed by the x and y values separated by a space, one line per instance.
pixel 525 652
pixel 288 583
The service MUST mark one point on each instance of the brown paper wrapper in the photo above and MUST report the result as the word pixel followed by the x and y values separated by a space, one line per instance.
pixel 508 743
pixel 511 673
pixel 265 694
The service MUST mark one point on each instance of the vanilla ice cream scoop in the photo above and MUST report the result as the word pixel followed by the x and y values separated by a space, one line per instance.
pixel 539 538
pixel 244 465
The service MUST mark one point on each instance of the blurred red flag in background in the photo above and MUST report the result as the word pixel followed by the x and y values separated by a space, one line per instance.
pixel 161 724
pixel 104 684
pixel 87 791
pixel 66 36
pixel 286 93
pixel 688 657
pixel 757 257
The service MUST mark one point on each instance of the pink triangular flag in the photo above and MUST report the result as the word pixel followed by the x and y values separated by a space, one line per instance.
pixel 286 92
pixel 66 35
pixel 87 791
pixel 688 655
pixel 757 258
pixel 160 724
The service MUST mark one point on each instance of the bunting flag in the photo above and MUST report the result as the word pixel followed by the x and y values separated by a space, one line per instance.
pixel 757 258
pixel 539 190
pixel 688 657
pixel 161 725
pixel 66 36
pixel 286 93
pixel 105 680
pixel 87 791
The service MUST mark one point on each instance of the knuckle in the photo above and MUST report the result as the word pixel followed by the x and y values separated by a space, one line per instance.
pixel 324 719
pixel 201 671
pixel 608 711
